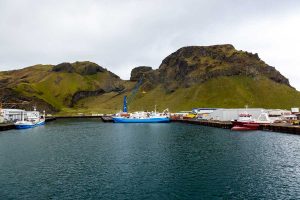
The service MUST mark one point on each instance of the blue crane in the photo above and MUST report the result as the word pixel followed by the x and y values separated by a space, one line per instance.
pixel 127 100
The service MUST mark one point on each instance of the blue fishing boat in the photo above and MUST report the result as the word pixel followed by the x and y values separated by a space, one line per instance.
pixel 28 124
pixel 30 119
pixel 141 117
pixel 141 120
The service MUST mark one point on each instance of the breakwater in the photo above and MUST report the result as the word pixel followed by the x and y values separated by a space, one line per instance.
pixel 282 128
pixel 77 116
pixel 5 127
pixel 104 118
pixel 217 124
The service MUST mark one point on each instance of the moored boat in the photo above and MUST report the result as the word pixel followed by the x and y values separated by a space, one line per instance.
pixel 245 122
pixel 141 120
pixel 30 119
pixel 28 124
pixel 142 117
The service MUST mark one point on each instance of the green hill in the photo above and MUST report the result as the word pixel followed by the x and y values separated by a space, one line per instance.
pixel 221 92
pixel 56 88
pixel 212 76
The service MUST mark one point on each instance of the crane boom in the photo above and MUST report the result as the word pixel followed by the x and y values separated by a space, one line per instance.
pixel 129 99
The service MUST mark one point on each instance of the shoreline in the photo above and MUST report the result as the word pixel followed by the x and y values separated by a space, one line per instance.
pixel 11 126
pixel 280 128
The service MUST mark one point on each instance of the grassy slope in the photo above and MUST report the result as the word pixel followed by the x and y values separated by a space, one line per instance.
pixel 56 88
pixel 226 92
pixel 236 91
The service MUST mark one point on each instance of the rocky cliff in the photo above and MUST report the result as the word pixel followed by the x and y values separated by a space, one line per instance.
pixel 196 64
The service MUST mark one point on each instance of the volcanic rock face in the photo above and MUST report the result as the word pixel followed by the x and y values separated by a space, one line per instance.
pixel 63 67
pixel 87 68
pixel 83 68
pixel 21 102
pixel 197 64
pixel 84 94
pixel 138 72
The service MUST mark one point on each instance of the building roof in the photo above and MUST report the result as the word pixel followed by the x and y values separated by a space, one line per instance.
pixel 12 110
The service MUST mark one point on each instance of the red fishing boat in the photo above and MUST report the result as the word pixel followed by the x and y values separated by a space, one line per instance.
pixel 245 122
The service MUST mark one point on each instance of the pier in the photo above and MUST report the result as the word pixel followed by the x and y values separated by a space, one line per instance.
pixel 77 116
pixel 217 124
pixel 5 127
pixel 282 128
pixel 49 119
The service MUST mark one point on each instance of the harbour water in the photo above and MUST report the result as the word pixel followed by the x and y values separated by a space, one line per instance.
pixel 87 159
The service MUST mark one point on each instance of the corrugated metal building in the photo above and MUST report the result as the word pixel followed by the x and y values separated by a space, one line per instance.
pixel 232 114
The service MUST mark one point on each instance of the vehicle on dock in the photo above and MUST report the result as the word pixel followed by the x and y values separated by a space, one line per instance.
pixel 30 119
pixel 245 122
pixel 296 122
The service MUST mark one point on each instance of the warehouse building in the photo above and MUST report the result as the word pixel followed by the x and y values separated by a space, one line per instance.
pixel 232 114
pixel 11 114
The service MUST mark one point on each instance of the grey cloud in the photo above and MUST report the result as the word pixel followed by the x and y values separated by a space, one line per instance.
pixel 119 34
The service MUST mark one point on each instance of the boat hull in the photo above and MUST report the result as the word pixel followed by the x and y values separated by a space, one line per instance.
pixel 243 128
pixel 246 126
pixel 135 120
pixel 27 126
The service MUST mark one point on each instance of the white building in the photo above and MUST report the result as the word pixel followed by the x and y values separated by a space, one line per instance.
pixel 203 110
pixel 232 114
pixel 11 114
pixel 278 114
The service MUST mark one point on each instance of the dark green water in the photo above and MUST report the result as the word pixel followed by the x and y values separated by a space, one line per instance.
pixel 87 159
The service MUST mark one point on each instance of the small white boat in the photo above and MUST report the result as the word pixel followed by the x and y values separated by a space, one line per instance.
pixel 32 119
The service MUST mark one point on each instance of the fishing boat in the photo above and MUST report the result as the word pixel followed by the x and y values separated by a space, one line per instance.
pixel 143 117
pixel 30 119
pixel 245 122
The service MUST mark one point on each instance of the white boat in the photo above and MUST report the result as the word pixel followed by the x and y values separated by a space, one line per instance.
pixel 30 119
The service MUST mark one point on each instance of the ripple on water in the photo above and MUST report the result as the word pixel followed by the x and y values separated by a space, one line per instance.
pixel 79 159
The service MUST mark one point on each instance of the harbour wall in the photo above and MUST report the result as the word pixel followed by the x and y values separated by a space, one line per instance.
pixel 217 124
pixel 282 128
pixel 5 127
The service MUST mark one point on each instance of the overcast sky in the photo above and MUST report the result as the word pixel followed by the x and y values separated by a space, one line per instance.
pixel 123 34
